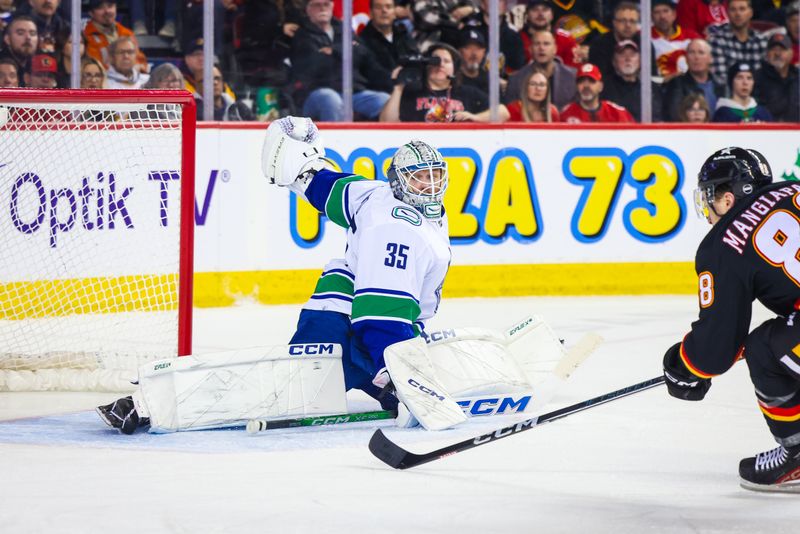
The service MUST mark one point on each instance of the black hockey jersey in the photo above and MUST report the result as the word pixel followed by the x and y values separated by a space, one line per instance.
pixel 753 252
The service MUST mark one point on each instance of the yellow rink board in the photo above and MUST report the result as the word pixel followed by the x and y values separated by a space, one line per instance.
pixel 21 300
pixel 295 286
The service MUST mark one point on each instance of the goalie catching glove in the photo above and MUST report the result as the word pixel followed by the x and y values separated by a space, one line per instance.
pixel 292 153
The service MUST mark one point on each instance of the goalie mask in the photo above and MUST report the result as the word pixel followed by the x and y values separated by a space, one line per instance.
pixel 738 170
pixel 418 177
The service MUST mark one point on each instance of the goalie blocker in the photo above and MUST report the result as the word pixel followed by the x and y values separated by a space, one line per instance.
pixel 438 376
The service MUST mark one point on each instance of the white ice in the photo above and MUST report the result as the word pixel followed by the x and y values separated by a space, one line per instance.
pixel 647 463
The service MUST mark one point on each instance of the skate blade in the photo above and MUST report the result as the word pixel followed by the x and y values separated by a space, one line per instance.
pixel 104 416
pixel 786 487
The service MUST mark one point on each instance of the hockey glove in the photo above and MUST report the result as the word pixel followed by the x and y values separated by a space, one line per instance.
pixel 682 384
pixel 292 148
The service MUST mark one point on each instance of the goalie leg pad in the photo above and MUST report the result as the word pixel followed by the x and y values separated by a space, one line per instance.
pixel 417 387
pixel 228 389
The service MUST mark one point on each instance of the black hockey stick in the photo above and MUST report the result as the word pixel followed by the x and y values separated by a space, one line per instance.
pixel 395 456
pixel 259 425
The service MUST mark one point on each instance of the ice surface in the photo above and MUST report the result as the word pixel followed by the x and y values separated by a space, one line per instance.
pixel 647 463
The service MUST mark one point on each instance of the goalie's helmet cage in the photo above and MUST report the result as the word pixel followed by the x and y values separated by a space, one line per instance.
pixel 418 176
pixel 741 171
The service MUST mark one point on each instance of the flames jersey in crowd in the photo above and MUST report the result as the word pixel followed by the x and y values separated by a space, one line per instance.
pixel 670 51
pixel 390 279
pixel 752 253
pixel 607 112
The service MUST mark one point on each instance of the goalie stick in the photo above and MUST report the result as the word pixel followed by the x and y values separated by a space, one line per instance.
pixel 395 456
pixel 259 425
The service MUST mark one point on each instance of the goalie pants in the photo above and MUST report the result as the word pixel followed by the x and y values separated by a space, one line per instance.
pixel 772 352
pixel 317 326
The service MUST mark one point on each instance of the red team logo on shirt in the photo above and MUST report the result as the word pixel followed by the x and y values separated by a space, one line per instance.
pixel 440 109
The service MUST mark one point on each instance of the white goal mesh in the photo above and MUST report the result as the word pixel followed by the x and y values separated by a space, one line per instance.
pixel 93 277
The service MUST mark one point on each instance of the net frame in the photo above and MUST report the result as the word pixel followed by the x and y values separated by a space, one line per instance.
pixel 117 100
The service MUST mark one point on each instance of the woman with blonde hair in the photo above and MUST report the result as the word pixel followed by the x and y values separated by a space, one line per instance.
pixel 534 103
pixel 93 74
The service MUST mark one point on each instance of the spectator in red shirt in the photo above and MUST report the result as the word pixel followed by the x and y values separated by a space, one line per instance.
pixel 533 105
pixel 589 107
pixel 697 15
pixel 539 16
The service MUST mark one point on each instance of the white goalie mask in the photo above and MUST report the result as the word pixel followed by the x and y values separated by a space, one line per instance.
pixel 418 176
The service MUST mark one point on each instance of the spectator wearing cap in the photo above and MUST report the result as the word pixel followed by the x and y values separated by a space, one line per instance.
pixel 192 70
pixel 561 77
pixel 9 73
pixel 624 27
pixel 697 79
pixel 736 42
pixel 387 39
pixel 103 29
pixel 21 40
pixel 511 47
pixel 776 80
pixel 474 70
pixel 699 15
pixel 589 107
pixel 741 106
pixel 792 29
pixel 669 39
pixel 539 16
pixel 49 23
pixel 623 87
pixel 439 97
pixel 43 72
pixel 123 73
pixel 317 69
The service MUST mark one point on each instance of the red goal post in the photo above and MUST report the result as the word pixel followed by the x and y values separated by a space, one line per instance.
pixel 97 226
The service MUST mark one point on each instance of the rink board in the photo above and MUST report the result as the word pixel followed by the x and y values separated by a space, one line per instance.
pixel 532 211
pixel 548 210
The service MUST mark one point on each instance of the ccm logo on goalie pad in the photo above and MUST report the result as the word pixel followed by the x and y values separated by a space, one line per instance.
pixel 424 389
pixel 439 335
pixel 315 349
pixel 494 405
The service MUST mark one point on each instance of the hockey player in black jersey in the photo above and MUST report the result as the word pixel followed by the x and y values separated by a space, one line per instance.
pixel 751 252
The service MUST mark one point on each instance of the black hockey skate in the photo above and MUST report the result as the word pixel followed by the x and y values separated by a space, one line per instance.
pixel 777 470
pixel 121 414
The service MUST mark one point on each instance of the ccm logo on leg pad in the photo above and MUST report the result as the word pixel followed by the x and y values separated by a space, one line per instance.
pixel 424 389
pixel 313 348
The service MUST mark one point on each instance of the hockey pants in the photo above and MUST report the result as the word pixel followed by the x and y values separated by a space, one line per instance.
pixel 773 355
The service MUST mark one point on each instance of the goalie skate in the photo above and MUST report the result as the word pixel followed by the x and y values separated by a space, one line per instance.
pixel 121 414
pixel 777 470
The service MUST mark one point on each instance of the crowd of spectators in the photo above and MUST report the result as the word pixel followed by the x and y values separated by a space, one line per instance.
pixel 426 60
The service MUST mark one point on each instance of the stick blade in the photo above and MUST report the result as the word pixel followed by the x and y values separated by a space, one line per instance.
pixel 387 451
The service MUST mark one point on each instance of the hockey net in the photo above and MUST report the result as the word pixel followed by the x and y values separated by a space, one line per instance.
pixel 96 220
